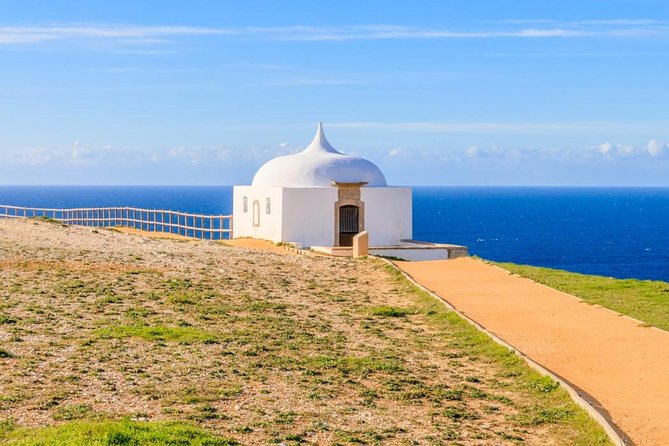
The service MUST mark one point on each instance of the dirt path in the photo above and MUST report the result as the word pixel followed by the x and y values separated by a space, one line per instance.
pixel 251 243
pixel 621 363
pixel 245 242
pixel 248 243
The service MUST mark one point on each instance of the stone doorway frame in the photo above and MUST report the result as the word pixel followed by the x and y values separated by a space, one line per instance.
pixel 348 194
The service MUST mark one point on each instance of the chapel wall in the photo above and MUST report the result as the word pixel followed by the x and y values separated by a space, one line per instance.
pixel 266 223
pixel 308 215
pixel 388 214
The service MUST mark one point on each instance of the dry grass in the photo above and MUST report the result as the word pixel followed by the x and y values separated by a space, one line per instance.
pixel 255 346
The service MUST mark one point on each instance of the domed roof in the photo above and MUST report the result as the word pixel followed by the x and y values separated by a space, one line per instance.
pixel 318 165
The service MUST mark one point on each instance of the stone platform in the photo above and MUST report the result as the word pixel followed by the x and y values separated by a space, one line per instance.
pixel 411 250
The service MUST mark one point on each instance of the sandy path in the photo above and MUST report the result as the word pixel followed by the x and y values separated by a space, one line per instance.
pixel 248 243
pixel 616 360
pixel 152 234
pixel 251 243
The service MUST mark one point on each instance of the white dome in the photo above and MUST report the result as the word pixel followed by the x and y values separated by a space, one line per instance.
pixel 318 165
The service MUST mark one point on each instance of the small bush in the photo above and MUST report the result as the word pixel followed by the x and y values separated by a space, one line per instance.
pixel 74 412
pixel 49 220
pixel 6 426
pixel 7 319
pixel 457 413
pixel 389 311
pixel 544 384
pixel 554 415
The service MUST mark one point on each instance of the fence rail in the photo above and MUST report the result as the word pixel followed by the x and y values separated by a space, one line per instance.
pixel 213 227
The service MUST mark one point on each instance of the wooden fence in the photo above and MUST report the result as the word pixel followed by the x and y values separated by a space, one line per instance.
pixel 213 227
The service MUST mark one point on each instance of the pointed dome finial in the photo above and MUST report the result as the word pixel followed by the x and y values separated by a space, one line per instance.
pixel 318 166
pixel 320 142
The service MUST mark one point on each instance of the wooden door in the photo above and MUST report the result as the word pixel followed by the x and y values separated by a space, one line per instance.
pixel 348 224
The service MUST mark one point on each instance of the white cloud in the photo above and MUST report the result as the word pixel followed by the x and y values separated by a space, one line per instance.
pixel 607 152
pixel 32 156
pixel 502 127
pixel 156 35
pixel 657 149
pixel 76 155
pixel 200 155
pixel 472 151
pixel 622 21
pixel 621 151
pixel 206 156
pixel 394 152
pixel 142 34
pixel 308 82
pixel 401 153
pixel 605 148
pixel 626 150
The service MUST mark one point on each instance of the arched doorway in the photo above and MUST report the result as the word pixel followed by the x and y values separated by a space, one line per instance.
pixel 349 213
pixel 348 224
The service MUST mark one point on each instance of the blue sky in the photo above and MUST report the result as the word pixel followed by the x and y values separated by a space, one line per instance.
pixel 434 92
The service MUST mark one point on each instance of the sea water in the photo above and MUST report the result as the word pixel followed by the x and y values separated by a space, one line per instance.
pixel 618 232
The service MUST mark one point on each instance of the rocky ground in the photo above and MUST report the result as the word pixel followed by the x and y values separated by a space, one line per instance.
pixel 257 346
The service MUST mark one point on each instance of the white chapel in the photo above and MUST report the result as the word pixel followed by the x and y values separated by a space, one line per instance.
pixel 321 197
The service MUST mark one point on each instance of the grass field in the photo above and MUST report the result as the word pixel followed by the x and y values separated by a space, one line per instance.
pixel 121 433
pixel 118 339
pixel 645 300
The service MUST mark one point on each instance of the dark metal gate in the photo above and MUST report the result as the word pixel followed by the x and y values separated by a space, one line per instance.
pixel 348 224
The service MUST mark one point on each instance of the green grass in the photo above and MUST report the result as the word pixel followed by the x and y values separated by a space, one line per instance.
pixel 73 412
pixel 183 335
pixel 646 300
pixel 49 220
pixel 7 319
pixel 347 365
pixel 108 433
pixel 389 311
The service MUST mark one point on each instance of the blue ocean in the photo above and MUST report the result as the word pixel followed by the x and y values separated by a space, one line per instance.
pixel 617 232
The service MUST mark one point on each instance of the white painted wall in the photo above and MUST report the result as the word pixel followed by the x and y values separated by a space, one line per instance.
pixel 270 224
pixel 305 215
pixel 388 212
pixel 308 215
